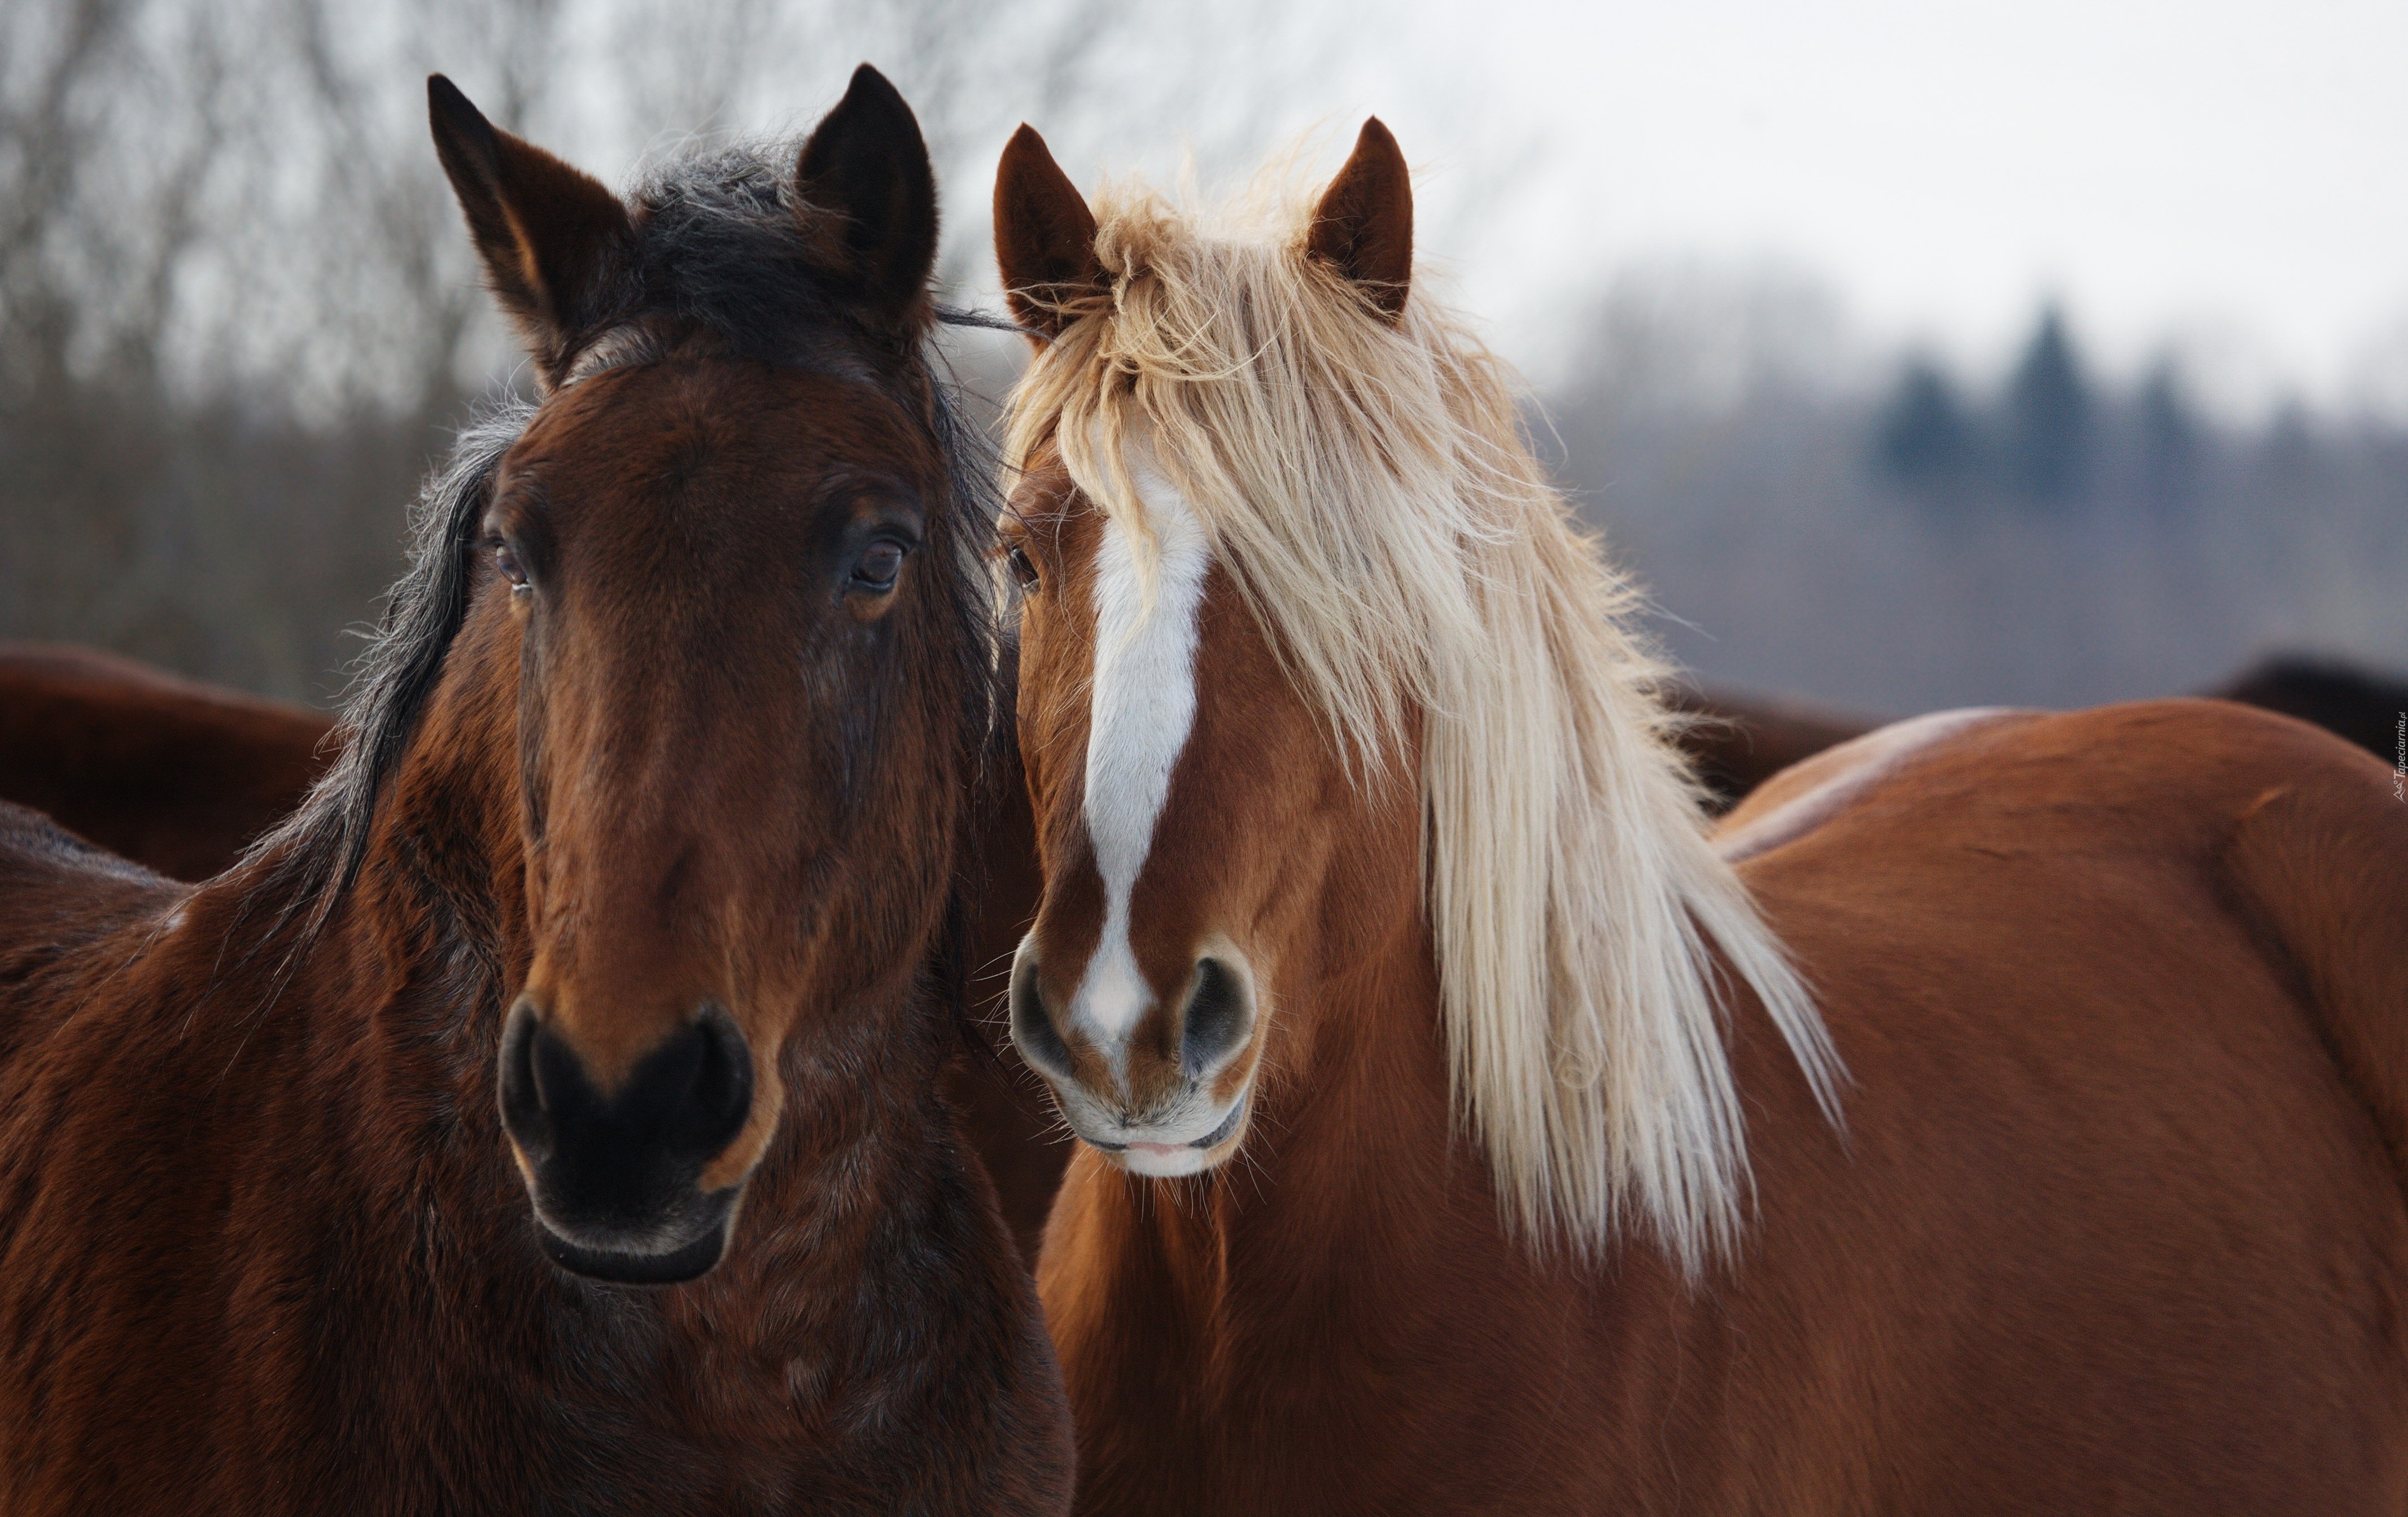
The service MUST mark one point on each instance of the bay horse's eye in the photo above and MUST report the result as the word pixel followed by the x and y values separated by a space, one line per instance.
pixel 1023 568
pixel 879 563
pixel 506 562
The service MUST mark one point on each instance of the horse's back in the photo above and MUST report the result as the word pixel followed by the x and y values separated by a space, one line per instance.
pixel 2123 995
pixel 176 774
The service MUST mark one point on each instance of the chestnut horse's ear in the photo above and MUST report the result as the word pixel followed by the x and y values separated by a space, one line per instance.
pixel 1045 236
pixel 546 230
pixel 865 161
pixel 1364 225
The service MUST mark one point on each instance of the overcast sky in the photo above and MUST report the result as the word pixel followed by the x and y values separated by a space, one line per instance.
pixel 2231 176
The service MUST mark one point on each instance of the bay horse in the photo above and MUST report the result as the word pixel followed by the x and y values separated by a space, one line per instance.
pixel 2004 1112
pixel 544 1118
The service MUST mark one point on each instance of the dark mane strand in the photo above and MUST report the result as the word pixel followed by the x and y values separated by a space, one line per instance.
pixel 312 858
pixel 970 458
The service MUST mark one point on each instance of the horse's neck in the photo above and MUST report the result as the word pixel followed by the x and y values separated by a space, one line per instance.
pixel 1353 1156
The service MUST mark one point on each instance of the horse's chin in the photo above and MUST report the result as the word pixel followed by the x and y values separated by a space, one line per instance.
pixel 1177 1160
pixel 673 1265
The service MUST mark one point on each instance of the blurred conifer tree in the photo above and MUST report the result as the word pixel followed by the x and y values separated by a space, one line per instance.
pixel 2049 425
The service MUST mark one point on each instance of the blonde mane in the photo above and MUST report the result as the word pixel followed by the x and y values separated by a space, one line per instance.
pixel 1371 490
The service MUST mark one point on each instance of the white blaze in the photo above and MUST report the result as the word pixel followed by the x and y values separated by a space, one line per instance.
pixel 1144 706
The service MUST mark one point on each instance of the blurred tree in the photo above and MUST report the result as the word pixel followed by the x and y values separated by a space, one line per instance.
pixel 1924 437
pixel 2287 463
pixel 1785 556
pixel 2049 426
pixel 2169 443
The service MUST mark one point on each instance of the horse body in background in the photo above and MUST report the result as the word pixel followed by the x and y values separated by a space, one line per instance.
pixel 177 776
pixel 361 1177
pixel 2001 1114
pixel 1737 742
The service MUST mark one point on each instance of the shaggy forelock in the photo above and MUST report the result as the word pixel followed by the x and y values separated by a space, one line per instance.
pixel 723 242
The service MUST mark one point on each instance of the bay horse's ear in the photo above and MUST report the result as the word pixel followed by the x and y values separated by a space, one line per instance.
pixel 1045 236
pixel 545 231
pixel 865 161
pixel 1364 225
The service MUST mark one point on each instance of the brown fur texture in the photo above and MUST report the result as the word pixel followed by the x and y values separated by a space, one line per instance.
pixel 1036 208
pixel 265 1244
pixel 1739 741
pixel 180 777
pixel 2355 704
pixel 1006 1115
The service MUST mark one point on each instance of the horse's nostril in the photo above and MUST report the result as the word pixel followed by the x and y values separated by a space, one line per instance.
pixel 629 1155
pixel 720 1090
pixel 1032 1029
pixel 522 1091
pixel 1220 1017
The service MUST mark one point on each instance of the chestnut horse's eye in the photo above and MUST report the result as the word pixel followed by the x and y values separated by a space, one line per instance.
pixel 506 562
pixel 878 565
pixel 1023 568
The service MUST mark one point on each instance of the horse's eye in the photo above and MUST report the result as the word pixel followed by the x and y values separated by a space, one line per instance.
pixel 1023 568
pixel 878 565
pixel 506 562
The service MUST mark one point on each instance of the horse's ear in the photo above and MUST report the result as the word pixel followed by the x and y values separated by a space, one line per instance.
pixel 1045 236
pixel 545 231
pixel 1364 225
pixel 867 163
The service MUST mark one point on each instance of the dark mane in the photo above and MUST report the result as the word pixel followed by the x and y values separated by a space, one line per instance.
pixel 727 245
pixel 725 251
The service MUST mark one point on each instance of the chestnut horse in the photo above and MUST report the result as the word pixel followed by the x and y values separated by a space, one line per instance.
pixel 1459 1136
pixel 361 1177
pixel 180 776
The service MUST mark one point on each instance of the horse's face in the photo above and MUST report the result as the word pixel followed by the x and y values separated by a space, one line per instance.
pixel 1210 856
pixel 1132 994
pixel 733 703
pixel 719 601
pixel 1206 849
